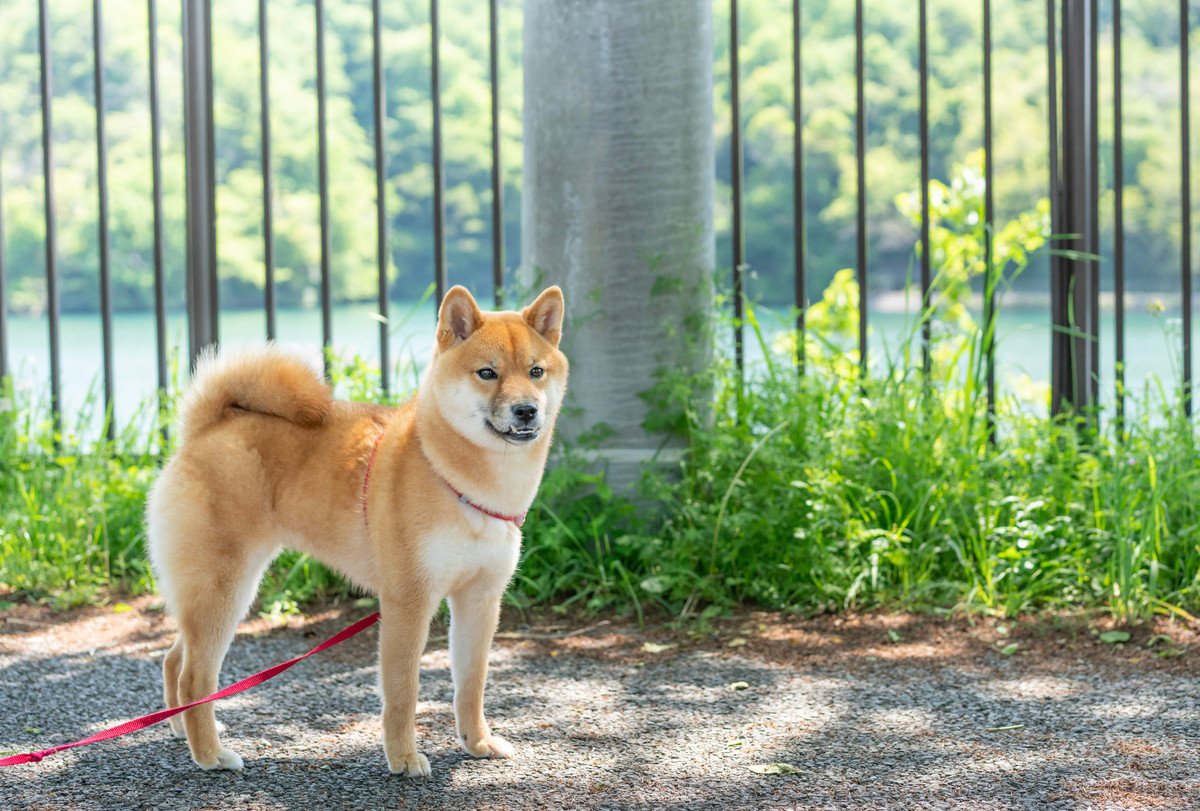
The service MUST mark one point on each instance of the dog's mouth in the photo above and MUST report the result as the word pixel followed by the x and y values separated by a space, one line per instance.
pixel 517 436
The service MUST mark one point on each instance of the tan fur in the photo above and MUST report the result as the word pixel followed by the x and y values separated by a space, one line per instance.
pixel 268 459
pixel 273 382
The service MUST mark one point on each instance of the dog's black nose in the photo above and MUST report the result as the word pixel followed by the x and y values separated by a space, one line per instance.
pixel 525 412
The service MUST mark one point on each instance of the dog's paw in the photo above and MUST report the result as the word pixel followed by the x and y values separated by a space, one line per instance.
pixel 412 764
pixel 492 746
pixel 224 759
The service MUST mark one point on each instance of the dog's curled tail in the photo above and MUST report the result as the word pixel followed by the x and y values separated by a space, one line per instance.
pixel 266 380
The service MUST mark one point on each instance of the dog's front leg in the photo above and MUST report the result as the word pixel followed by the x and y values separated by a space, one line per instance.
pixel 474 613
pixel 402 637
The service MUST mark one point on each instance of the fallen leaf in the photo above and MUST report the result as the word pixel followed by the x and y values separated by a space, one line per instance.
pixel 554 653
pixel 1006 729
pixel 1002 630
pixel 895 637
pixel 740 685
pixel 736 643
pixel 654 647
pixel 1113 637
pixel 773 768
pixel 734 744
pixel 33 730
pixel 365 602
pixel 1010 648
pixel 1154 640
pixel 122 608
pixel 1170 653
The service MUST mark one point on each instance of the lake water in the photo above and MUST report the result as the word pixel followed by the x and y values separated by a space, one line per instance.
pixel 1023 350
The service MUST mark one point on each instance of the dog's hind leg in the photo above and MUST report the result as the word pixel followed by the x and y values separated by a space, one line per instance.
pixel 208 609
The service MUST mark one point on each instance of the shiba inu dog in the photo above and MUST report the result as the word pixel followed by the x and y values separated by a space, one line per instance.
pixel 416 503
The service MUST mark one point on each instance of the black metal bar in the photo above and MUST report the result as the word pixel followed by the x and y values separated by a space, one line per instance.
pixel 1074 279
pixel 1058 307
pixel 798 240
pixel 160 295
pixel 323 190
pixel 1185 204
pixel 439 181
pixel 264 129
pixel 497 180
pixel 1093 208
pixel 198 168
pixel 381 223
pixel 1118 222
pixel 106 348
pixel 860 161
pixel 3 294
pixel 735 181
pixel 991 279
pixel 52 301
pixel 926 280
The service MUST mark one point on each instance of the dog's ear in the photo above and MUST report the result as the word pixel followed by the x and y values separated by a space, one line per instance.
pixel 545 315
pixel 458 317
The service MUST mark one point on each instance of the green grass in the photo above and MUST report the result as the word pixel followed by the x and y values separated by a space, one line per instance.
pixel 834 492
pixel 70 507
pixel 831 490
pixel 821 492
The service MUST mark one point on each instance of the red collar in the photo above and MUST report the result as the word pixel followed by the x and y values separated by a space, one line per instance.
pixel 519 520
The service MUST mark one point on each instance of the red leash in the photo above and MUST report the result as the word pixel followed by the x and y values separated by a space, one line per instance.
pixel 162 715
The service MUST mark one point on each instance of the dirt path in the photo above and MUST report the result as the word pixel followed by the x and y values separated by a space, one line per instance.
pixel 933 715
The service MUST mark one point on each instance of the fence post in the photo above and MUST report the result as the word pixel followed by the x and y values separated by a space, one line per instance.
pixel 1074 279
pixel 200 176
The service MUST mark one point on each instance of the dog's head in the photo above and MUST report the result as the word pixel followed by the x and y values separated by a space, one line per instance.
pixel 499 378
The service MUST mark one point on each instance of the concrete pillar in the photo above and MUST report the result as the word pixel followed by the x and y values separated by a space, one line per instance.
pixel 617 202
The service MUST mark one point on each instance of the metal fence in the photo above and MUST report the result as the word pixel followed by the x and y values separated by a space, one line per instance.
pixel 1072 71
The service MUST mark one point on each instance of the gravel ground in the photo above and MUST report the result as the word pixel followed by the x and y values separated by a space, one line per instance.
pixel 932 716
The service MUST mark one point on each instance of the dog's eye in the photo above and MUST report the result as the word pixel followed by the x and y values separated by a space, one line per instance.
pixel 487 374
pixel 537 371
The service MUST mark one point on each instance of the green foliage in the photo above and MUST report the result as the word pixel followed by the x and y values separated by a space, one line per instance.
pixel 831 492
pixel 466 133
pixel 958 236
pixel 71 508
pixel 1021 140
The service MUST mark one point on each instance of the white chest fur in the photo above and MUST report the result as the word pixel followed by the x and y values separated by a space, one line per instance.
pixel 480 551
